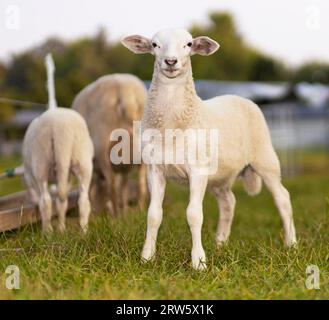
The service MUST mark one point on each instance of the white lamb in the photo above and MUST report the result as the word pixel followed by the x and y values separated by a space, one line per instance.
pixel 245 147
pixel 56 144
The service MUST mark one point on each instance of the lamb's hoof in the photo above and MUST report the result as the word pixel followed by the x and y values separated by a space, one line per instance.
pixel 291 244
pixel 200 266
pixel 221 243
pixel 48 229
pixel 112 210
pixel 147 254
pixel 61 228
pixel 199 260
pixel 84 229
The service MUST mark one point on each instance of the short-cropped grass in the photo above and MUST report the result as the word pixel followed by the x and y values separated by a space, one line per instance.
pixel 105 264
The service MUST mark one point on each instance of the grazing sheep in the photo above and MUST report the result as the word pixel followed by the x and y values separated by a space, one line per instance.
pixel 112 102
pixel 244 146
pixel 56 144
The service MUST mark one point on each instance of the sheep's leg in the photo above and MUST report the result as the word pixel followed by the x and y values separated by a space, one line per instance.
pixel 61 198
pixel 112 203
pixel 122 190
pixel 198 185
pixel 283 203
pixel 142 186
pixel 32 188
pixel 97 192
pixel 157 185
pixel 45 207
pixel 110 187
pixel 34 195
pixel 61 208
pixel 226 204
pixel 281 197
pixel 84 175
pixel 93 190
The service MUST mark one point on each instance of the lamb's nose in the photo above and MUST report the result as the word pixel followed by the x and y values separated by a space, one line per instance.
pixel 171 62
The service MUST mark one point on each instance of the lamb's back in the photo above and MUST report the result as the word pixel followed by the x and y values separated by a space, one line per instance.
pixel 241 125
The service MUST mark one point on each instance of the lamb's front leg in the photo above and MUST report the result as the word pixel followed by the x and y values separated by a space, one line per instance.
pixel 157 184
pixel 198 185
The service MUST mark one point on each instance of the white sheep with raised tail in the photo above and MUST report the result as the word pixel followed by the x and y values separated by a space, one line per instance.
pixel 56 144
pixel 244 145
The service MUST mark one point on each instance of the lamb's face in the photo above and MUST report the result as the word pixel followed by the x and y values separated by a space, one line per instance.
pixel 172 49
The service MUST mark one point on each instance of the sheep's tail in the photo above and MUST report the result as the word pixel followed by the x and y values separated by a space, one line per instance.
pixel 252 182
pixel 49 62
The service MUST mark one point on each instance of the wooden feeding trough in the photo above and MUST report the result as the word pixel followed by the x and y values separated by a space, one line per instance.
pixel 16 210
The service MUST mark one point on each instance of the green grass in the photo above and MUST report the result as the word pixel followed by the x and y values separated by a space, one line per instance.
pixel 105 263
pixel 8 186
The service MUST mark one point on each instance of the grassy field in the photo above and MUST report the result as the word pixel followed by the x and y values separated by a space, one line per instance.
pixel 105 263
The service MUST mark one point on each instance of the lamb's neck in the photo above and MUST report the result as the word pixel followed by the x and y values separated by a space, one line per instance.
pixel 172 102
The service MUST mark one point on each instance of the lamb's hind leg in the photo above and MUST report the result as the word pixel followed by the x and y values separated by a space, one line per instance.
pixel 61 208
pixel 32 188
pixel 269 170
pixel 111 189
pixel 226 204
pixel 83 172
pixel 45 206
pixel 61 197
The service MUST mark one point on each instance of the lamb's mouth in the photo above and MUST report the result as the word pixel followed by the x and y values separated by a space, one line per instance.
pixel 171 72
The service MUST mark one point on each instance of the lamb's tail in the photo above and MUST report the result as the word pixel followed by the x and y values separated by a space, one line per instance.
pixel 61 146
pixel 52 104
pixel 49 62
pixel 252 182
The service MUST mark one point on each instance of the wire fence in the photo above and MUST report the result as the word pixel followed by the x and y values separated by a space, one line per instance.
pixel 22 103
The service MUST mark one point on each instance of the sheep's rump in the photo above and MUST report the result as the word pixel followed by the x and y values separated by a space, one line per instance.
pixel 111 102
pixel 53 142
pixel 115 96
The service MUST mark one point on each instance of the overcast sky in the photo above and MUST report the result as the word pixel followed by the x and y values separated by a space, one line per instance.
pixel 294 30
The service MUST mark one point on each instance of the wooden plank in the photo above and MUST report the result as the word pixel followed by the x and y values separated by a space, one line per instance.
pixel 13 200
pixel 16 211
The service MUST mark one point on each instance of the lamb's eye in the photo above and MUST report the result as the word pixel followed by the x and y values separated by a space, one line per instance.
pixel 189 44
pixel 154 45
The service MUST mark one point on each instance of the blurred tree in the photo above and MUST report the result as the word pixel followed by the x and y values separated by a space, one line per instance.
pixel 235 59
pixel 81 62
pixel 265 68
pixel 313 72
pixel 230 63
pixel 25 78
pixel 53 45
pixel 122 60
pixel 6 112
pixel 3 71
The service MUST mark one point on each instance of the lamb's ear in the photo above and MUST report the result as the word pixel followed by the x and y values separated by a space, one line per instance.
pixel 204 46
pixel 137 44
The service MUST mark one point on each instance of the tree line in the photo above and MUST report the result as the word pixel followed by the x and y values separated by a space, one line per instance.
pixel 82 61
